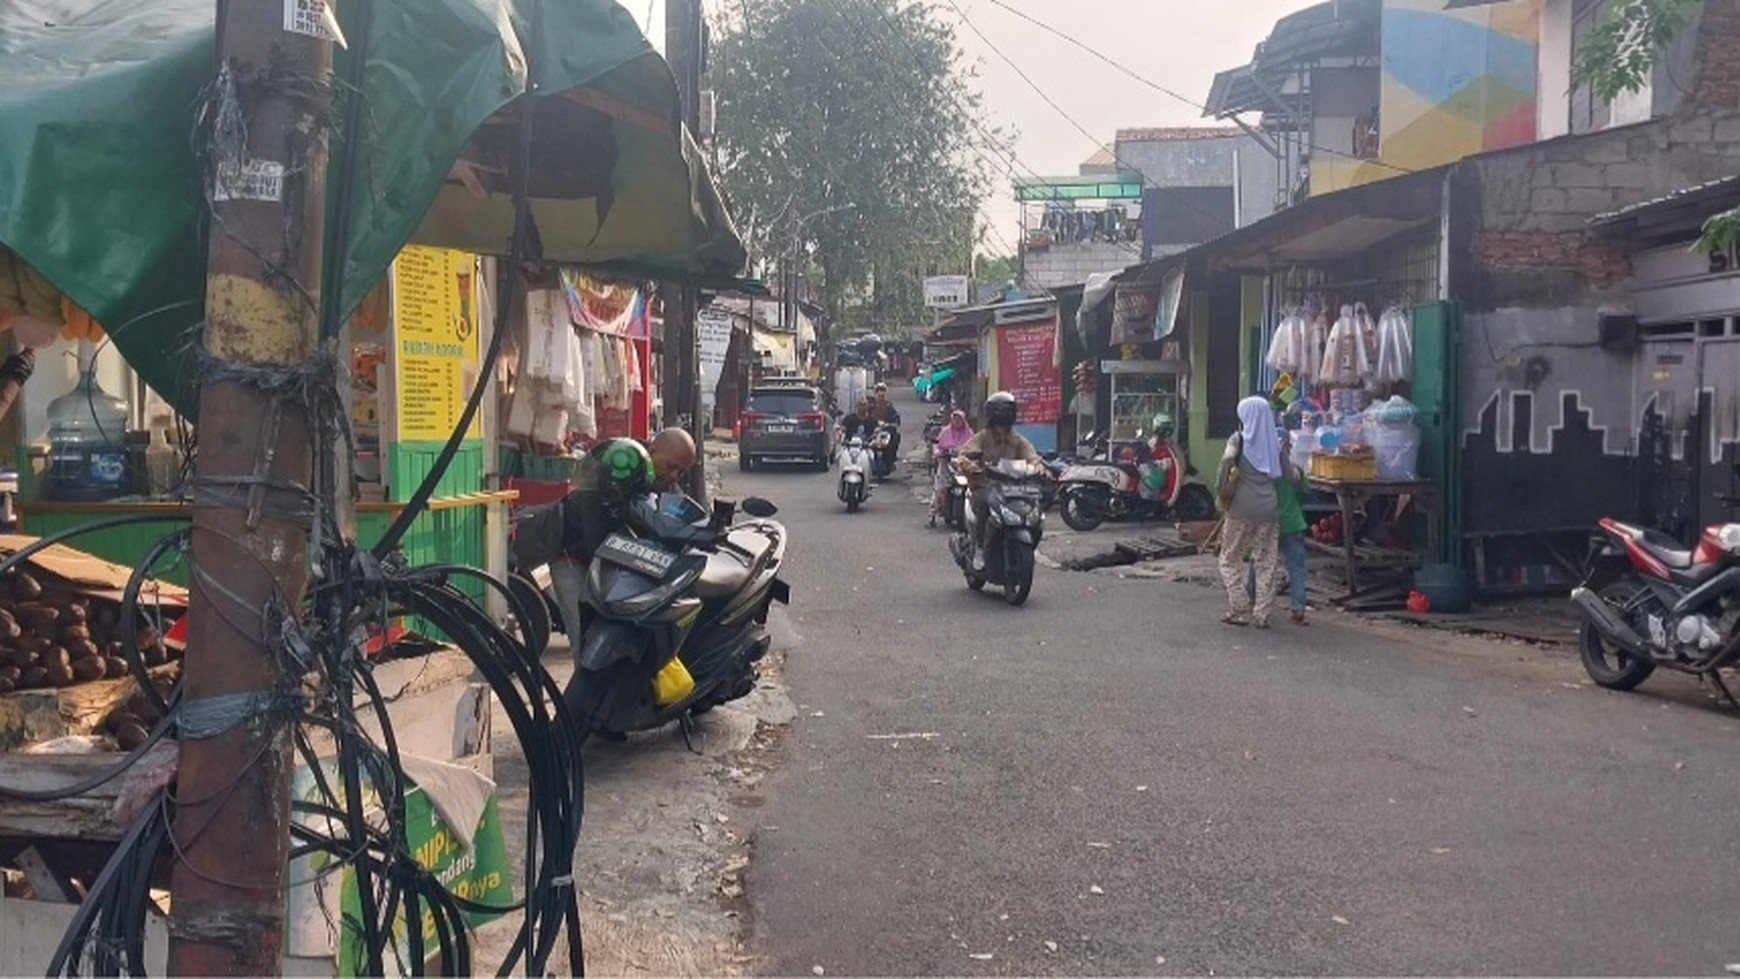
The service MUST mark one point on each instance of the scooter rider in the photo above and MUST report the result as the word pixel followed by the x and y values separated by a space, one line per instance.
pixel 996 442
pixel 883 411
pixel 564 534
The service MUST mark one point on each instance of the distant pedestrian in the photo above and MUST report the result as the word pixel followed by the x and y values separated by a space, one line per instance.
pixel 1248 473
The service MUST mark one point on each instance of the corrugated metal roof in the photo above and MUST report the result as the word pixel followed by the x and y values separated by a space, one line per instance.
pixel 1177 134
pixel 1720 187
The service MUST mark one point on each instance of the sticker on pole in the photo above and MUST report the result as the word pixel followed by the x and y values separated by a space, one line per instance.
pixel 249 180
pixel 313 18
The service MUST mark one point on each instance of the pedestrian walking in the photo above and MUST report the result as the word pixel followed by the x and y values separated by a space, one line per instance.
pixel 1291 525
pixel 1248 473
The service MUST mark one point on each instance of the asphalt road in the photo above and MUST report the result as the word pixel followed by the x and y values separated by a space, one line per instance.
pixel 1111 781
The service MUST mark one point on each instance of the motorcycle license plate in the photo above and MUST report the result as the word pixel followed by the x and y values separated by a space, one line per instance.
pixel 637 556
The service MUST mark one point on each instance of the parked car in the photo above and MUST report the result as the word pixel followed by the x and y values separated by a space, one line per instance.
pixel 784 422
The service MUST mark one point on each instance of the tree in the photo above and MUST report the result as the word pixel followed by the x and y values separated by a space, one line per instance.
pixel 996 270
pixel 1618 56
pixel 846 128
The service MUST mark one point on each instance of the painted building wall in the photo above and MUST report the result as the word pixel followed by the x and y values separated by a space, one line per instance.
pixel 1551 426
pixel 1457 82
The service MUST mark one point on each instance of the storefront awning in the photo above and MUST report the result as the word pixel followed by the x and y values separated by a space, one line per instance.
pixel 101 181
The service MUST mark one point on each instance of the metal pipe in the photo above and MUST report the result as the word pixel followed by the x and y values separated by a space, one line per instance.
pixel 1608 621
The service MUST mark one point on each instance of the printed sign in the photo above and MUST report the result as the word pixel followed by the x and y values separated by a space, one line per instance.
pixel 1027 370
pixel 252 180
pixel 312 18
pixel 713 334
pixel 946 292
pixel 435 340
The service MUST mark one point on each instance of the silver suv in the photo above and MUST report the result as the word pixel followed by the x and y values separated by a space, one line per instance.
pixel 788 422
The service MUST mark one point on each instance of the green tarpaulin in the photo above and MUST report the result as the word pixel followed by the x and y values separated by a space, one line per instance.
pixel 101 177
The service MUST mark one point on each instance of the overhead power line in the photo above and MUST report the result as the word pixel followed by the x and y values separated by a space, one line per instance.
pixel 1162 89
pixel 1095 140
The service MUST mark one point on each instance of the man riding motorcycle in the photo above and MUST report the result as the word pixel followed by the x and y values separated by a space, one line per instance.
pixel 996 442
pixel 884 412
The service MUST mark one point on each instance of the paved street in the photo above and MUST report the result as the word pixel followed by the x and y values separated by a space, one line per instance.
pixel 1110 781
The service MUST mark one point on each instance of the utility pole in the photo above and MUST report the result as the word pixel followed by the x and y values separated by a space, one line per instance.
pixel 252 476
pixel 685 41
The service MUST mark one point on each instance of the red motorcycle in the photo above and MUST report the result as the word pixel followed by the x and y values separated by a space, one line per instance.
pixel 1671 607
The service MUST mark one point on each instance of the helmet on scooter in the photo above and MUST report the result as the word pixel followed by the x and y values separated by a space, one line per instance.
pixel 625 464
pixel 1164 426
pixel 1000 410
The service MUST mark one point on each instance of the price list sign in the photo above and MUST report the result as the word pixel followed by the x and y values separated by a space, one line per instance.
pixel 435 337
pixel 1024 362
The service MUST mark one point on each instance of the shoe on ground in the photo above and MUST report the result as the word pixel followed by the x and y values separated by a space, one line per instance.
pixel 1298 618
pixel 1236 618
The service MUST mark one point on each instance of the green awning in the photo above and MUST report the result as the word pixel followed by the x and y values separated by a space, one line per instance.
pixel 100 180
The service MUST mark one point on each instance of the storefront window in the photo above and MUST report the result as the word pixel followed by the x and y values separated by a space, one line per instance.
pixel 1136 399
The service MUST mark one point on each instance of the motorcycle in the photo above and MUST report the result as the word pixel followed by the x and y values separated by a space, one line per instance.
pixel 1671 607
pixel 855 462
pixel 680 603
pixel 955 503
pixel 881 451
pixel 1145 481
pixel 1015 525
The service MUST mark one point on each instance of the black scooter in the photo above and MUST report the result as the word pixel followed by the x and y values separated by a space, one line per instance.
pixel 680 604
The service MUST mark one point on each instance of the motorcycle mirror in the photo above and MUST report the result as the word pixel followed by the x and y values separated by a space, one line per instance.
pixel 755 506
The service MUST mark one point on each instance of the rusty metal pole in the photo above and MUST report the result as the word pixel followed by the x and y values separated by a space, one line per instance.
pixel 250 548
pixel 684 41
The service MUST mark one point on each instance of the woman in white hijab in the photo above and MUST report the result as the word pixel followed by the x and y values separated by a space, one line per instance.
pixel 1248 473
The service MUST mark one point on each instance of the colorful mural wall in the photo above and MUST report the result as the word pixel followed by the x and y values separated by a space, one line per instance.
pixel 1457 82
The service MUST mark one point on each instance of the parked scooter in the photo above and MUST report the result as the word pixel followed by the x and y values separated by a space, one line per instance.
pixel 855 463
pixel 1152 482
pixel 1015 524
pixel 680 604
pixel 1672 607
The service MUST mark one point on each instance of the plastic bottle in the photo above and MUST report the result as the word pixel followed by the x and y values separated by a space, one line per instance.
pixel 87 431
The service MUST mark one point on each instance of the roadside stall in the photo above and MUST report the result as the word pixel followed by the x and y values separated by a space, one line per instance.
pixel 431 164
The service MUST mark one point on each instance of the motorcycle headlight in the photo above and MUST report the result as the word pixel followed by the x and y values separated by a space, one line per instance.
pixel 1729 537
pixel 649 601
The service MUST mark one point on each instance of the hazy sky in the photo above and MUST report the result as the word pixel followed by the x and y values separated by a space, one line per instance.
pixel 1179 44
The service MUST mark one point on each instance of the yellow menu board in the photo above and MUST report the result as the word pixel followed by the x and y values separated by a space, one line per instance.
pixel 435 340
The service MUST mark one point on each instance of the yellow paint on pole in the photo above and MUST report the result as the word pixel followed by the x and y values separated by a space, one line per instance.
pixel 252 323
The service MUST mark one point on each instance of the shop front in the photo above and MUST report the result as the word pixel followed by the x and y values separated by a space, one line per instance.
pixel 1019 354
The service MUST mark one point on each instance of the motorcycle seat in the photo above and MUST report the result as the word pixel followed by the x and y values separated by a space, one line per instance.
pixel 728 571
pixel 1662 547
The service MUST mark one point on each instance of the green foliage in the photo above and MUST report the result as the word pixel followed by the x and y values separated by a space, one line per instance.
pixel 996 270
pixel 855 108
pixel 1721 232
pixel 1620 51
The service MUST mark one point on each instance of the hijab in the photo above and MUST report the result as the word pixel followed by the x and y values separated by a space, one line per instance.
pixel 956 434
pixel 1260 443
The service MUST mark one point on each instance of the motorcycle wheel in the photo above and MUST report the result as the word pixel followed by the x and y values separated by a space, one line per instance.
pixel 975 582
pixel 1017 573
pixel 1608 665
pixel 535 625
pixel 1080 513
pixel 586 700
pixel 1195 504
pixel 852 503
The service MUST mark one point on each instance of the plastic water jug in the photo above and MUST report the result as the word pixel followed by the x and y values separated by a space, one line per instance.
pixel 87 435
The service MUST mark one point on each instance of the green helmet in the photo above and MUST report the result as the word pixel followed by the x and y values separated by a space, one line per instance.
pixel 626 464
pixel 1163 425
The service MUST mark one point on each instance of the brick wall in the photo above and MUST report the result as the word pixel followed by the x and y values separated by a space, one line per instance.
pixel 1718 28
pixel 1521 217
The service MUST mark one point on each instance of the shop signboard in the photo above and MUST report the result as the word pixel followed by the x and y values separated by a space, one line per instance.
pixel 1027 368
pixel 435 340
pixel 946 292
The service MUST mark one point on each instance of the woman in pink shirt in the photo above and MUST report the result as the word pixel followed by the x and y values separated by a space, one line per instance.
pixel 948 441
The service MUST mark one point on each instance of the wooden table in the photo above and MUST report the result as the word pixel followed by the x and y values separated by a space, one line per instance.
pixel 1350 494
